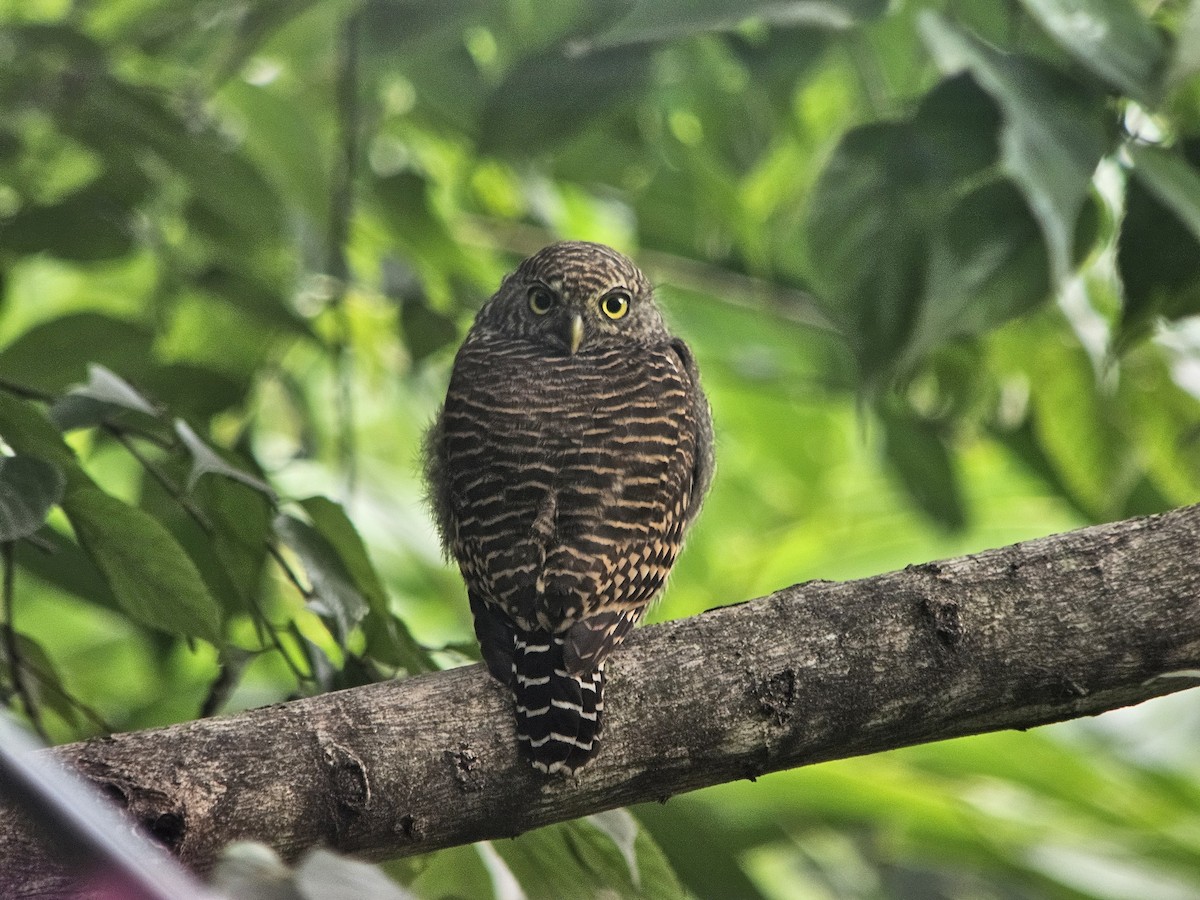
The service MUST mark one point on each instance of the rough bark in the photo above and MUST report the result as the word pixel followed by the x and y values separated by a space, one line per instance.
pixel 1051 629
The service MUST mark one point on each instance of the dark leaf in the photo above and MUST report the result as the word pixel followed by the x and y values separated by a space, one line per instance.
pixel 1111 38
pixel 29 487
pixel 230 196
pixel 67 567
pixel 41 678
pixel 550 97
pixel 55 354
pixel 866 224
pixel 25 428
pixel 415 223
pixel 987 264
pixel 425 329
pixel 196 391
pixel 546 863
pixel 262 300
pixel 1158 255
pixel 919 456
pixel 335 596
pixel 387 638
pixel 241 518
pixel 92 224
pixel 1053 134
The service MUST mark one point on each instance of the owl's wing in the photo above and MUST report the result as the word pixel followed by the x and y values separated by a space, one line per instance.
pixel 496 636
pixel 590 640
pixel 638 568
pixel 437 480
pixel 705 462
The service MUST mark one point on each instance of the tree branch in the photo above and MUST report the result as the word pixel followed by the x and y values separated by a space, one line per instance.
pixel 1046 630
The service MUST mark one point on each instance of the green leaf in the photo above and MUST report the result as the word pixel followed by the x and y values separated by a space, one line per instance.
pixel 425 329
pixel 549 98
pixel 29 487
pixel 1111 38
pixel 987 264
pixel 1158 255
pixel 25 428
pixel 1186 59
pixel 452 872
pixel 230 198
pixel 1075 422
pixel 1053 134
pixel 1173 180
pixel 205 461
pixel 622 829
pixel 322 874
pixel 241 518
pixel 93 224
pixel 41 677
pixel 415 223
pixel 335 596
pixel 55 354
pixel 104 395
pixel 282 137
pixel 866 235
pixel 661 20
pixel 330 519
pixel 708 860
pixel 151 576
pixel 197 391
pixel 919 456
pixel 387 638
pixel 262 300
pixel 1162 419
pixel 581 859
pixel 66 566
pixel 885 259
pixel 103 391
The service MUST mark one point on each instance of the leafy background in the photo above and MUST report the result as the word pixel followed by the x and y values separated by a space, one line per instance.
pixel 939 262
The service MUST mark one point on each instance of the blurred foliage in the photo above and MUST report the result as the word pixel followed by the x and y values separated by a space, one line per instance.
pixel 940 263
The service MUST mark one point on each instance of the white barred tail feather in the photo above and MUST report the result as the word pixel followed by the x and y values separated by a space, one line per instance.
pixel 558 713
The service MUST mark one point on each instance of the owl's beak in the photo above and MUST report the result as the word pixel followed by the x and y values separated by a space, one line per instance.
pixel 574 332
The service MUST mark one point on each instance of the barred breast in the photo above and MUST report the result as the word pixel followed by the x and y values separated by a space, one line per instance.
pixel 567 484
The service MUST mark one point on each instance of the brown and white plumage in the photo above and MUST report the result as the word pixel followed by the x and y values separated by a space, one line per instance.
pixel 572 453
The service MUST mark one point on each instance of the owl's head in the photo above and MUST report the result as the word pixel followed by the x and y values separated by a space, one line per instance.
pixel 573 296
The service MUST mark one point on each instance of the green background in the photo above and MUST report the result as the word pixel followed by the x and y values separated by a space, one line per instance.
pixel 938 262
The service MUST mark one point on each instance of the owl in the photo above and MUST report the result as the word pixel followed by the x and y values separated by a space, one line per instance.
pixel 571 455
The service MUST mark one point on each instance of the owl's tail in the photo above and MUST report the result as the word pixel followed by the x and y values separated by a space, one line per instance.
pixel 558 714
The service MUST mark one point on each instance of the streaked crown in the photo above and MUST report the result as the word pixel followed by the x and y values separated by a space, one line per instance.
pixel 573 296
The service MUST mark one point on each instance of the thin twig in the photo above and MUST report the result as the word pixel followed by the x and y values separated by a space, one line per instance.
pixel 305 591
pixel 10 645
pixel 25 392
pixel 175 491
pixel 197 515
pixel 341 208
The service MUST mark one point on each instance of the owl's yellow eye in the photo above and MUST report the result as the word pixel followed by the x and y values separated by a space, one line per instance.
pixel 615 305
pixel 540 300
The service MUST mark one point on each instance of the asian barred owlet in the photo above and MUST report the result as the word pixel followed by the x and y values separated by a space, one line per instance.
pixel 572 454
